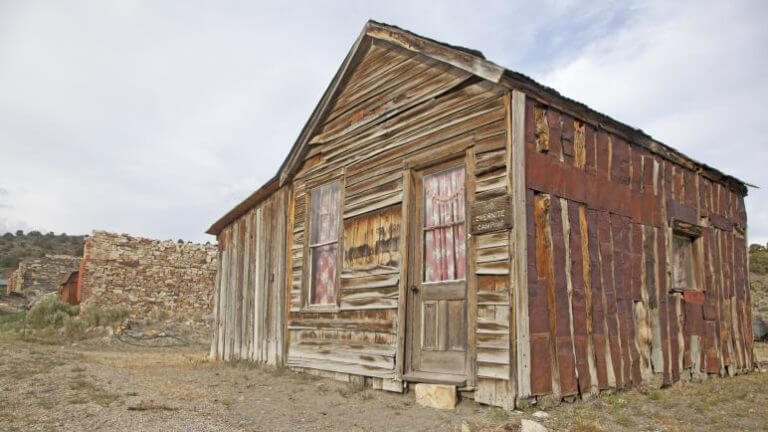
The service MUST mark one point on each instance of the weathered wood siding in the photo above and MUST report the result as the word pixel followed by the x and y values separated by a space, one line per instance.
pixel 601 215
pixel 395 106
pixel 250 286
pixel 576 297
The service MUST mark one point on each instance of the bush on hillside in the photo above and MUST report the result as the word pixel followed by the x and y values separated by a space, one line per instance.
pixel 74 328
pixel 50 312
pixel 110 316
pixel 758 259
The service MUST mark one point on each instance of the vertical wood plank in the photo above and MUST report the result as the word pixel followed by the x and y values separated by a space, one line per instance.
pixel 222 291
pixel 247 287
pixel 403 285
pixel 214 352
pixel 561 313
pixel 521 344
pixel 469 160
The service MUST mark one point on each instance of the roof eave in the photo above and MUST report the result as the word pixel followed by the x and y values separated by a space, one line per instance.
pixel 266 190
pixel 473 62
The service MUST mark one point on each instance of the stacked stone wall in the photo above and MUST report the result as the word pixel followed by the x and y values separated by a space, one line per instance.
pixel 39 276
pixel 153 279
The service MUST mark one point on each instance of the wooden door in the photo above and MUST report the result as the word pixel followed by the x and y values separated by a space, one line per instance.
pixel 437 295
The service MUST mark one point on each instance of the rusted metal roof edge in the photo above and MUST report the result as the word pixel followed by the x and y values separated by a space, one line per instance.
pixel 638 136
pixel 472 61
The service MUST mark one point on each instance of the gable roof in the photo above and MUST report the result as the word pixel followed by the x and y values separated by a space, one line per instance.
pixel 471 61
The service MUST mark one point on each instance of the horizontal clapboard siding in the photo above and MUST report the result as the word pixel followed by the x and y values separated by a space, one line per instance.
pixel 395 105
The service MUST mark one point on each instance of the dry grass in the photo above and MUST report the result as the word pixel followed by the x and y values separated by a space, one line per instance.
pixel 761 352
pixel 150 405
pixel 155 382
pixel 683 407
pixel 354 389
pixel 86 391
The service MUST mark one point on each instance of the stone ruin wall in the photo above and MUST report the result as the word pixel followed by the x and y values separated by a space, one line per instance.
pixel 38 276
pixel 153 279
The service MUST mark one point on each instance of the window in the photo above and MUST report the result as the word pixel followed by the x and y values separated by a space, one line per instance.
pixel 444 228
pixel 683 276
pixel 325 218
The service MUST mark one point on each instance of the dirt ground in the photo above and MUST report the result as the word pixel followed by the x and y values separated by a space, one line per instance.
pixel 120 387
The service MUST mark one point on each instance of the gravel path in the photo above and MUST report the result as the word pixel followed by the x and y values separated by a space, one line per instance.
pixel 120 387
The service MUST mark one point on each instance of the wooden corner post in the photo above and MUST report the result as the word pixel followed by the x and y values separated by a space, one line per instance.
pixel 519 340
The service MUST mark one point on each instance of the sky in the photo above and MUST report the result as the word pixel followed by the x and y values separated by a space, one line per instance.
pixel 156 117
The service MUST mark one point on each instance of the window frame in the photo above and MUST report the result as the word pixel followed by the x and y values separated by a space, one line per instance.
pixel 307 280
pixel 437 169
pixel 693 234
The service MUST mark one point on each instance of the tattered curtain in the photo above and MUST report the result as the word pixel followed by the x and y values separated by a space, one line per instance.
pixel 444 228
pixel 324 238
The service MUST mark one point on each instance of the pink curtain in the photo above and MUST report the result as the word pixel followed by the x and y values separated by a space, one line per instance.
pixel 324 239
pixel 444 236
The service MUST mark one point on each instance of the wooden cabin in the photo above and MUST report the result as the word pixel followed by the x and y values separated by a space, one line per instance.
pixel 442 219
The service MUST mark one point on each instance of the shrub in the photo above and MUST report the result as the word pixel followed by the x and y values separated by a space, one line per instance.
pixel 50 312
pixel 159 314
pixel 758 259
pixel 12 321
pixel 110 316
pixel 74 328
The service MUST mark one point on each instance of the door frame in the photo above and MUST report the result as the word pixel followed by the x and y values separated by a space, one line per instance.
pixel 460 152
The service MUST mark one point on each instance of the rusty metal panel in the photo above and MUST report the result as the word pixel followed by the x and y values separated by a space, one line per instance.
pixel 620 161
pixel 682 212
pixel 663 304
pixel 637 261
pixel 742 218
pixel 637 169
pixel 546 173
pixel 720 222
pixel 622 273
pixel 555 129
pixel 673 335
pixel 541 372
pixel 578 300
pixel 564 344
pixel 598 314
pixel 689 179
pixel 704 201
pixel 609 290
pixel 566 138
pixel 650 280
pixel 648 161
pixel 603 155
pixel 694 297
pixel 530 127
pixel 589 145
pixel 710 342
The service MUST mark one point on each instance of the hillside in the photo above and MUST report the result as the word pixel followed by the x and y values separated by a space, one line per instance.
pixel 15 247
pixel 758 278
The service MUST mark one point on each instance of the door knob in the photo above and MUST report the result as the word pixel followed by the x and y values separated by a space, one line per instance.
pixel 414 289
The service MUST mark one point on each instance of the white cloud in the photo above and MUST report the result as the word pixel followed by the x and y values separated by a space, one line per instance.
pixel 691 75
pixel 154 119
